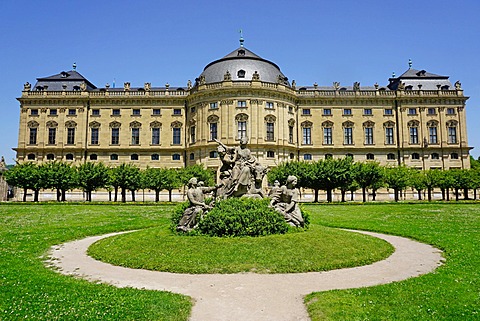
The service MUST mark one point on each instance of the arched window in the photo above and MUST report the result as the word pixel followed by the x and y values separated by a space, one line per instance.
pixel 327 132
pixel 31 156
pixel 390 156
pixel 155 157
pixel 368 129
pixel 454 156
pixel 50 157
pixel 134 157
pixel 435 156
pixel 69 157
pixel 192 156
pixel 176 157
pixel 432 132
pixel 93 157
pixel 270 154
pixel 452 131
pixel 307 132
pixel 415 156
pixel 114 157
pixel 348 133
pixel 370 156
pixel 241 73
pixel 292 155
pixel 307 156
pixel 413 130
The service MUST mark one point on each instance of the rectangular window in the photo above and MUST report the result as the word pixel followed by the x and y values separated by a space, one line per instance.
pixel 177 111
pixel 431 111
pixel 52 135
pixel 192 135
pixel 136 112
pixel 413 135
pixel 290 134
pixel 327 136
pixel 34 112
pixel 450 111
pixel 33 136
pixel 327 111
pixel 155 136
pixel 348 136
pixel 94 136
pixel 306 111
pixel 214 105
pixel 72 112
pixel 70 136
pixel 116 112
pixel 432 131
pixel 156 111
pixel 412 111
pixel 176 136
pixel 115 136
pixel 368 136
pixel 307 136
pixel 242 103
pixel 53 112
pixel 452 135
pixel 242 129
pixel 367 111
pixel 95 112
pixel 290 109
pixel 347 111
pixel 213 131
pixel 270 131
pixel 135 136
pixel 388 111
pixel 389 136
pixel 269 105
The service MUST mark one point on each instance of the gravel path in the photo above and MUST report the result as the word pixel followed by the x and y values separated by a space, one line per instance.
pixel 249 296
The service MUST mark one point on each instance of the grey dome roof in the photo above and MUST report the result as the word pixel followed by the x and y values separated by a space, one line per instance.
pixel 243 61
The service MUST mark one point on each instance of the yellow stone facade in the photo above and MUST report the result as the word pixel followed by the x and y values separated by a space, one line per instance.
pixel 175 126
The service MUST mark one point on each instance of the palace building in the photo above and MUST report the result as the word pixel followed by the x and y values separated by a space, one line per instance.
pixel 417 119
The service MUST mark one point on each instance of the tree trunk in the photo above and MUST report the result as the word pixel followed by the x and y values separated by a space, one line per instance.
pixel 157 196
pixel 474 194
pixel 25 190
pixel 465 193
pixel 59 195
pixel 329 195
pixel 447 192
pixel 443 194
pixel 343 196
pixel 374 195
pixel 456 194
pixel 64 193
pixel 133 196
pixel 395 192
pixel 109 196
pixel 316 196
pixel 124 195
pixel 170 195
pixel 35 197
pixel 364 194
pixel 419 195
pixel 116 193
pixel 351 195
pixel 429 194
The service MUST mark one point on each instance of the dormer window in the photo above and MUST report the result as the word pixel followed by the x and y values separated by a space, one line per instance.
pixel 446 87
pixel 421 73
pixel 241 53
pixel 76 88
pixel 64 74
pixel 241 73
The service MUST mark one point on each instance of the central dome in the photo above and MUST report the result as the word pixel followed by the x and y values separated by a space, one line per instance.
pixel 242 65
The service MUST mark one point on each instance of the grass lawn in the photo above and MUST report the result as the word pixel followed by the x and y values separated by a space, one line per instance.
pixel 452 292
pixel 317 249
pixel 31 292
pixel 28 291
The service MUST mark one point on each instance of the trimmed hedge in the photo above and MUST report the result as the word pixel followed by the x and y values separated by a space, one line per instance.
pixel 242 217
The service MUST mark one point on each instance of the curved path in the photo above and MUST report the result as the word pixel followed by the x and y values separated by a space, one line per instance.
pixel 250 296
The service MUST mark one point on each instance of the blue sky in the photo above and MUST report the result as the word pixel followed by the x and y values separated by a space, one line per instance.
pixel 171 41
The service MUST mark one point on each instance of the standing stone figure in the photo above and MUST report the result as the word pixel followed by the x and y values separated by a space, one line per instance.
pixel 196 196
pixel 285 201
pixel 240 172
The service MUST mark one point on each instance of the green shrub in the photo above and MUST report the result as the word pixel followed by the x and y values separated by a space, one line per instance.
pixel 242 217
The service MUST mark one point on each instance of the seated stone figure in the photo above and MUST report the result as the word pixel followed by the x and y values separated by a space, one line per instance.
pixel 285 201
pixel 196 196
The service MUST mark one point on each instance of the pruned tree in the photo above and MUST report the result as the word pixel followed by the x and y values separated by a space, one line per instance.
pixel 90 177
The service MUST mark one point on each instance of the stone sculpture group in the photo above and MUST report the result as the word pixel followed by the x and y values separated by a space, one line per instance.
pixel 241 175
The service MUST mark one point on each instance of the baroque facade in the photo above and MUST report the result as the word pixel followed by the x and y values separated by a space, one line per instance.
pixel 417 119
